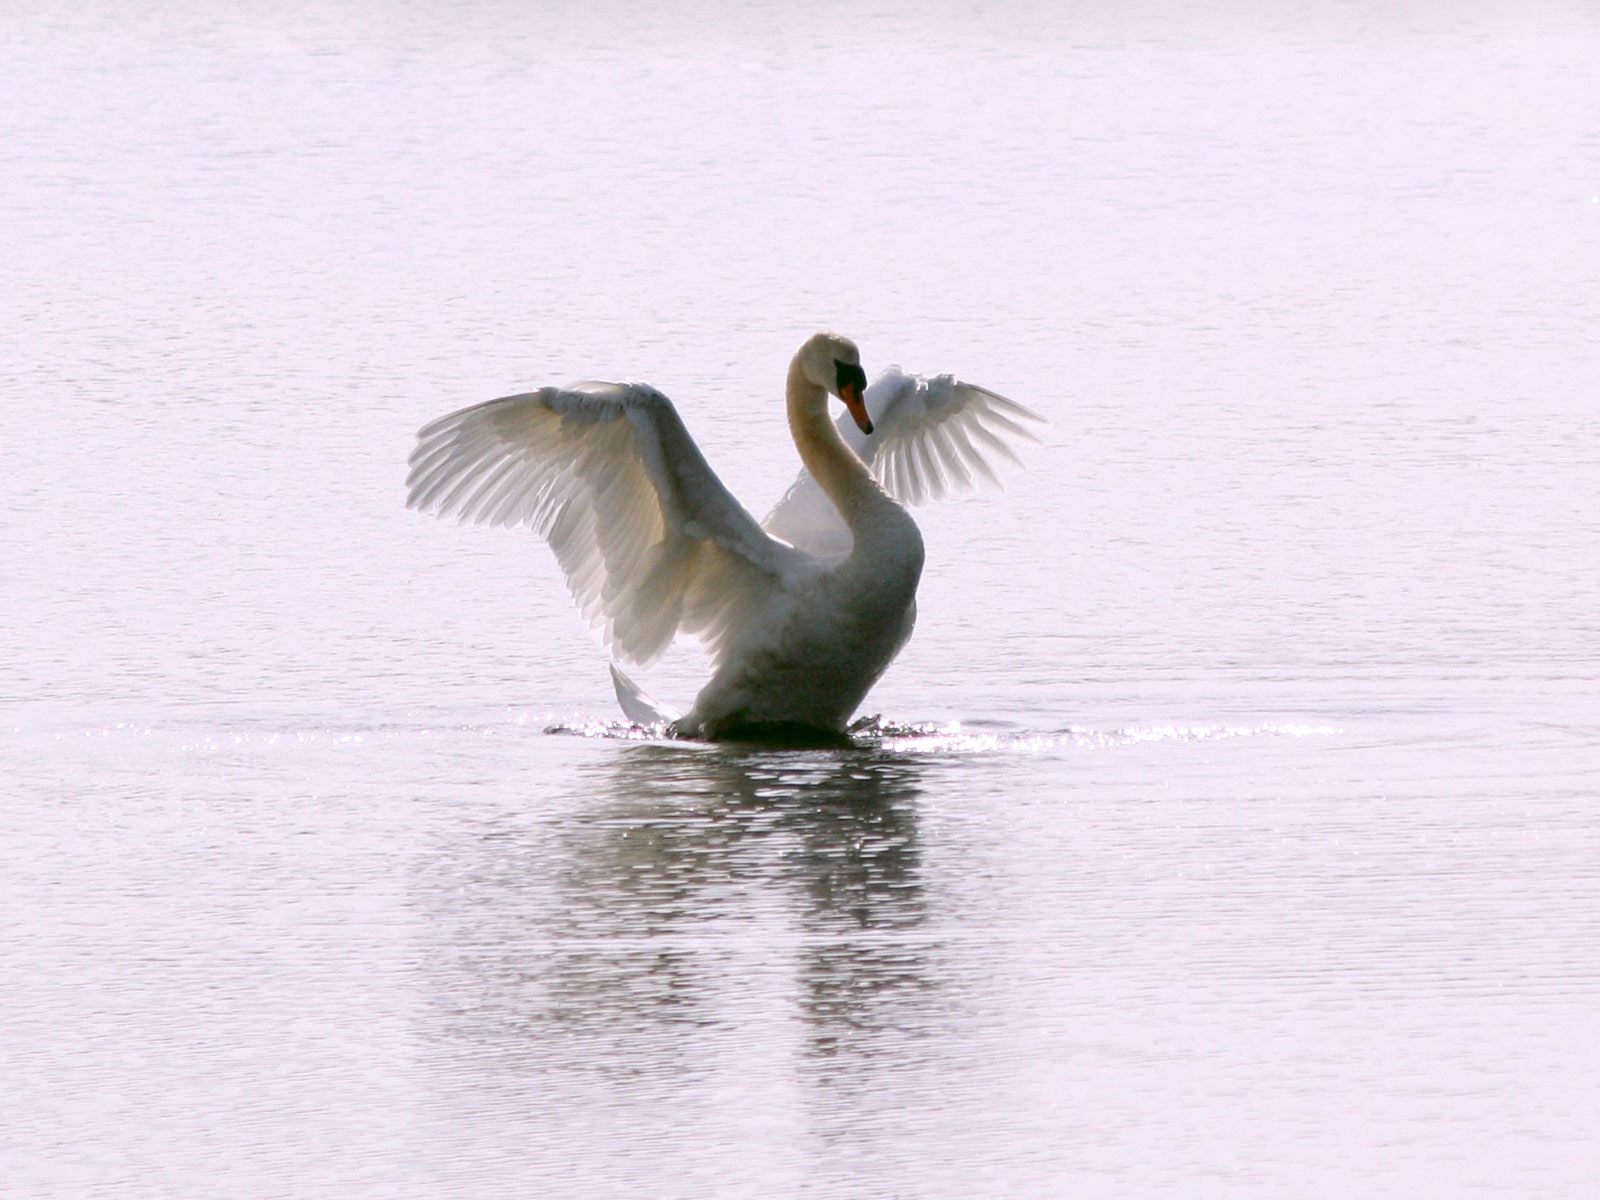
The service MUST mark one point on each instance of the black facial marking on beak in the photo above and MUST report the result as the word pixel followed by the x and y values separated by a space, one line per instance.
pixel 852 383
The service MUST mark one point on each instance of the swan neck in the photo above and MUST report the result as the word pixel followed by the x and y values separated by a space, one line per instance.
pixel 836 468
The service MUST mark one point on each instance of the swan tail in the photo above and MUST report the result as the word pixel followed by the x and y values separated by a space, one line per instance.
pixel 637 704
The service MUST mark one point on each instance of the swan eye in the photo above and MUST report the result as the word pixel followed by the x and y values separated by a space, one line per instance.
pixel 848 373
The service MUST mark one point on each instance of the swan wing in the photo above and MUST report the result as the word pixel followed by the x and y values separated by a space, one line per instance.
pixel 649 539
pixel 933 437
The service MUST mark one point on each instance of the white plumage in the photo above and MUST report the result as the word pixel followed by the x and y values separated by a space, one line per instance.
pixel 799 619
pixel 933 437
pixel 648 538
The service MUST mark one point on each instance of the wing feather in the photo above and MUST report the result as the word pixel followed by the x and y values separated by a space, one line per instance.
pixel 648 538
pixel 934 436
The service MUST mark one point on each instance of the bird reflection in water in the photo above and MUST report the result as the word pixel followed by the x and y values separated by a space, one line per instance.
pixel 666 910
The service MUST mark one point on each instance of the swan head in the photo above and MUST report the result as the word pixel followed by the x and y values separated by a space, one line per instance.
pixel 833 363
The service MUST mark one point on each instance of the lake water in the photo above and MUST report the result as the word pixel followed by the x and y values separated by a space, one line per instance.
pixel 1234 831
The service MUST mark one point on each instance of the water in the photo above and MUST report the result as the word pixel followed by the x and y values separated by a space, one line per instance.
pixel 1231 832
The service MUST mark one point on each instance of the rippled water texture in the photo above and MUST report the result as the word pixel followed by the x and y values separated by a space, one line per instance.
pixel 1227 829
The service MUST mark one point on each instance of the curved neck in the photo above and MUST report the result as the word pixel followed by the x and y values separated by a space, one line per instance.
pixel 835 467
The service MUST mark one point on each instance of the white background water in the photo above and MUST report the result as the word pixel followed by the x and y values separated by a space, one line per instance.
pixel 1256 853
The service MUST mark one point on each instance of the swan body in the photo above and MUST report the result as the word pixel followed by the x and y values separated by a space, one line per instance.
pixel 800 618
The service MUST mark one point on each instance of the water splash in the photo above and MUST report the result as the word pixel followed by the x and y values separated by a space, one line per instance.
pixel 955 737
pixel 611 730
pixel 868 733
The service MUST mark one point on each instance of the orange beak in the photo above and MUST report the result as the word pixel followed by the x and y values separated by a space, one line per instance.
pixel 850 393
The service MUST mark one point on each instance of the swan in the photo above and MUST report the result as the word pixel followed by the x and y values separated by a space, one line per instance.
pixel 800 615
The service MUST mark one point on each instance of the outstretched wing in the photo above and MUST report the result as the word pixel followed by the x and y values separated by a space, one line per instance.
pixel 932 438
pixel 650 540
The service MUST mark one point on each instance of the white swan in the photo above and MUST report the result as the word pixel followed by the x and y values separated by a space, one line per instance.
pixel 799 619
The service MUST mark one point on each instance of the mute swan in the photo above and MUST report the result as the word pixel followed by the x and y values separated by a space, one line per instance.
pixel 800 618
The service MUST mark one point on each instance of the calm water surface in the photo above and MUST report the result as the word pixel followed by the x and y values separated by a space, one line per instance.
pixel 1231 828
